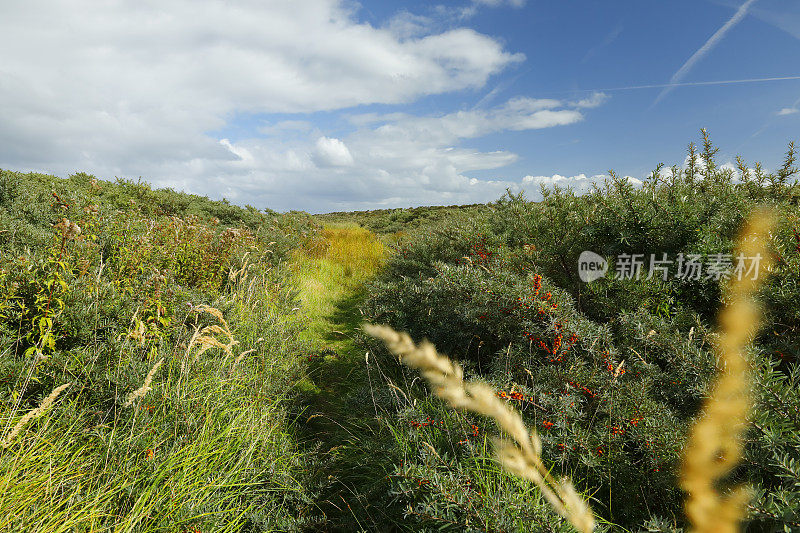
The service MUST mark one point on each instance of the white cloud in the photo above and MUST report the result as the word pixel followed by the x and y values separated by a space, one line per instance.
pixel 516 114
pixel 788 111
pixel 735 173
pixel 390 160
pixel 133 89
pixel 285 126
pixel 243 154
pixel 123 87
pixel 463 12
pixel 406 25
pixel 332 153
pixel 580 183
pixel 700 164
pixel 595 100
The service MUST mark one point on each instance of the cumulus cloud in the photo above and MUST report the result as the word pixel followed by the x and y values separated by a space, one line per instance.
pixel 127 85
pixel 580 184
pixel 121 89
pixel 389 160
pixel 332 153
pixel 243 154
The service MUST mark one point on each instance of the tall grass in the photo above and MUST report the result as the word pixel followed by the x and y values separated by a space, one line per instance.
pixel 180 423
pixel 715 445
pixel 334 263
pixel 202 445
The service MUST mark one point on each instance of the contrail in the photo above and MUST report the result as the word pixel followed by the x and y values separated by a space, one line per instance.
pixel 695 83
pixel 703 50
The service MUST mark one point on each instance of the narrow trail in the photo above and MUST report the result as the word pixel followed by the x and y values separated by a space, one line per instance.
pixel 338 425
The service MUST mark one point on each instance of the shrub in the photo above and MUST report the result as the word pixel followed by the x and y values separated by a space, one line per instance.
pixel 611 372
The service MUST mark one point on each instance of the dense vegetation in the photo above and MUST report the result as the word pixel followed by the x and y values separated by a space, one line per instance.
pixel 217 378
pixel 401 220
pixel 609 372
pixel 113 288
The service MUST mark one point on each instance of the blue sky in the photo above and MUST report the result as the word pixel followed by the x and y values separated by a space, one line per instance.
pixel 328 105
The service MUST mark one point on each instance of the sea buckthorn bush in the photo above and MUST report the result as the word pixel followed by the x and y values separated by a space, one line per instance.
pixel 610 372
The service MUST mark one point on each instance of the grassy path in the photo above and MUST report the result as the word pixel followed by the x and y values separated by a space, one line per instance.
pixel 338 423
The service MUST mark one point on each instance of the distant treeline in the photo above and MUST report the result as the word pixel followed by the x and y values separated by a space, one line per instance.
pixel 384 221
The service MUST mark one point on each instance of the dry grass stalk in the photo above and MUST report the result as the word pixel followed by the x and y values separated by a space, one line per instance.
pixel 145 388
pixel 715 443
pixel 241 356
pixel 46 403
pixel 522 456
pixel 140 333
pixel 206 338
pixel 242 272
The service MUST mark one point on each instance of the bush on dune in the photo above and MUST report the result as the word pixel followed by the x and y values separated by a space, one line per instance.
pixel 611 372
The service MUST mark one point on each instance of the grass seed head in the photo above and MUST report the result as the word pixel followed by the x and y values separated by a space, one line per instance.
pixel 145 388
pixel 715 442
pixel 36 413
pixel 520 457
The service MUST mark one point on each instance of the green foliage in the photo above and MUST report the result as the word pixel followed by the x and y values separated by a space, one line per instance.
pixel 100 280
pixel 400 221
pixel 610 372
pixel 446 479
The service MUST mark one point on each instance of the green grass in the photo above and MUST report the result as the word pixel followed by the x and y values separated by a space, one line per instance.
pixel 308 425
pixel 337 425
pixel 206 449
pixel 331 268
pixel 365 471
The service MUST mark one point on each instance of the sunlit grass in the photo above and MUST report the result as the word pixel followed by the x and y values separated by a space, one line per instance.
pixel 331 267
pixel 205 446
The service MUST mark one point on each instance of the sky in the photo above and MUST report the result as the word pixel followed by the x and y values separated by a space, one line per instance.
pixel 334 105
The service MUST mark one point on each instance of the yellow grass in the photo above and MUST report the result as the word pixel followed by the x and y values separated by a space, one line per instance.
pixel 207 337
pixel 715 443
pixel 145 388
pixel 333 266
pixel 35 413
